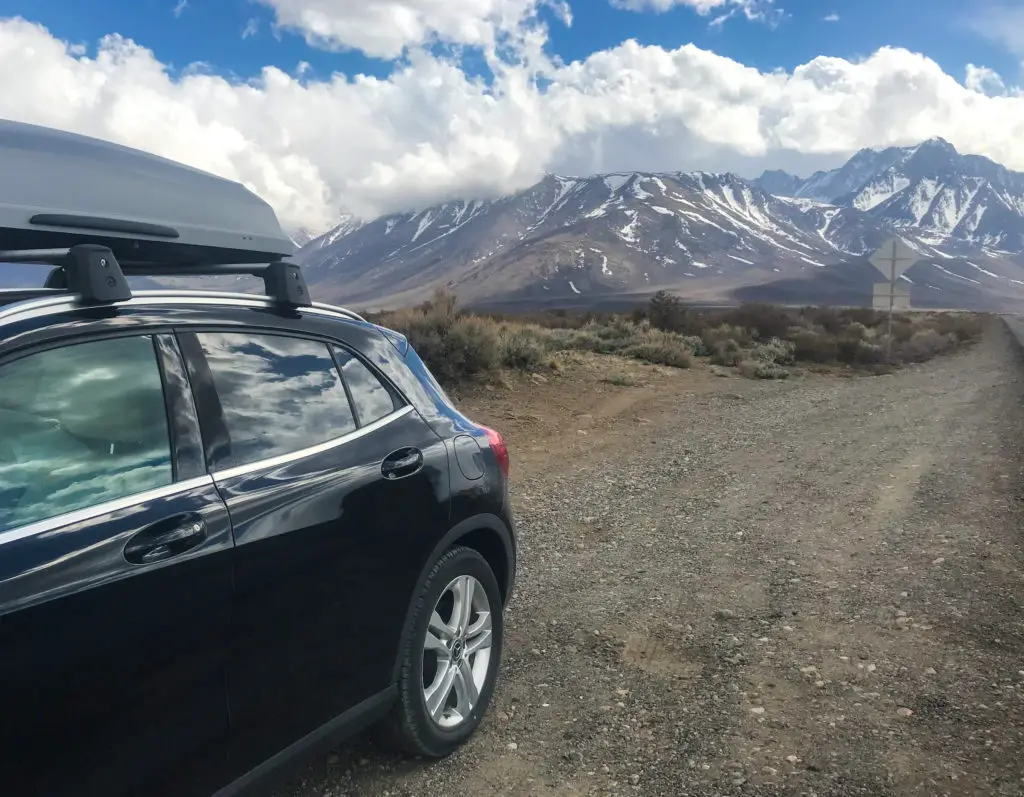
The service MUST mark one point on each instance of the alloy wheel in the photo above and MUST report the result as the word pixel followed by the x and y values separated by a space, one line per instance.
pixel 457 652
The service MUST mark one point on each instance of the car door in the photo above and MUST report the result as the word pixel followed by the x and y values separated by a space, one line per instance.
pixel 326 480
pixel 115 575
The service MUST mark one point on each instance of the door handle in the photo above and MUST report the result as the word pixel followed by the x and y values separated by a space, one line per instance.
pixel 404 462
pixel 165 539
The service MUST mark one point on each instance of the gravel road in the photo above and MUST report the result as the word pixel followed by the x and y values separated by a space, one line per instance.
pixel 802 588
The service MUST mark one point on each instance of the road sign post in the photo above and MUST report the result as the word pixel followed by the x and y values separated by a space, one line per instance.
pixel 897 293
pixel 893 258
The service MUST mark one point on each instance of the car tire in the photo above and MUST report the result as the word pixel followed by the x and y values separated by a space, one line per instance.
pixel 437 654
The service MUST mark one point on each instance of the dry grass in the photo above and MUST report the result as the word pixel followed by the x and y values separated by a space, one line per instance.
pixel 759 340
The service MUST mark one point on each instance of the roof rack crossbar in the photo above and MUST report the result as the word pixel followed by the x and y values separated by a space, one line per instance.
pixel 54 257
pixel 93 272
pixel 282 281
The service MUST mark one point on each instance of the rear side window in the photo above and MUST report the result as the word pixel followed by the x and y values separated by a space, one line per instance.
pixel 278 394
pixel 79 426
pixel 371 397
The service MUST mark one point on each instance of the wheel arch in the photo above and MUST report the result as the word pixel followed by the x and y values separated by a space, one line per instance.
pixel 489 536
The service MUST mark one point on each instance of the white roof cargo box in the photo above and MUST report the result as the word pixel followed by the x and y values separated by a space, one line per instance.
pixel 59 189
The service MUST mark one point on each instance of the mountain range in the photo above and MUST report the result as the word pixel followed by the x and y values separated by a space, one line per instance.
pixel 707 237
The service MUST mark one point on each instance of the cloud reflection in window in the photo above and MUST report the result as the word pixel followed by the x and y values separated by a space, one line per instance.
pixel 279 394
pixel 373 401
pixel 80 426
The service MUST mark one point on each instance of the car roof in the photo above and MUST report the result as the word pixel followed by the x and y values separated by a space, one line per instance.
pixel 62 189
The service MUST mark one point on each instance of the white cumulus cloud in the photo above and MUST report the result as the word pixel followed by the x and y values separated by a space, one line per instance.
pixel 984 80
pixel 430 131
pixel 384 28
pixel 753 9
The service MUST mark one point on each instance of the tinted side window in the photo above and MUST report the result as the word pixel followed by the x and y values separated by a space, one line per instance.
pixel 79 426
pixel 372 399
pixel 278 394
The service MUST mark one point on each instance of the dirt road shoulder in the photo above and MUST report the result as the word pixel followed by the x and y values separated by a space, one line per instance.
pixel 739 587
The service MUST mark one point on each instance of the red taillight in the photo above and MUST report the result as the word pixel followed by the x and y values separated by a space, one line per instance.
pixel 499 448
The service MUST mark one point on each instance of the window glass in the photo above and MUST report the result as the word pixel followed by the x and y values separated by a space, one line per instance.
pixel 371 398
pixel 79 426
pixel 278 394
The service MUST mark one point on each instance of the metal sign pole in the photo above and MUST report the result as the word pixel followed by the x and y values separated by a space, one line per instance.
pixel 893 258
pixel 892 299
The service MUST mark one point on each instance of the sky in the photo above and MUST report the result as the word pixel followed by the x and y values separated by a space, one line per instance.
pixel 329 107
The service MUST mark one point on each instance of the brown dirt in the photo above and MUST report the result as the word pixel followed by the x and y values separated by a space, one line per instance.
pixel 731 587
pixel 583 410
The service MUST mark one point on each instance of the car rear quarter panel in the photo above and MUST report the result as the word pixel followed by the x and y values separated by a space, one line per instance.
pixel 479 506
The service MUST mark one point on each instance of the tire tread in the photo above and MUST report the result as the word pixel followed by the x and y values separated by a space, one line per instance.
pixel 405 729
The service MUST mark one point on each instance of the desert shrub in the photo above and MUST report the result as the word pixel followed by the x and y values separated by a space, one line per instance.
pixel 964 326
pixel 584 340
pixel 592 337
pixel 817 347
pixel 865 316
pixel 665 311
pixel 606 338
pixel 828 318
pixel 665 353
pixel 458 346
pixel 836 320
pixel 659 346
pixel 723 333
pixel 454 346
pixel 855 351
pixel 696 345
pixel 925 344
pixel 775 350
pixel 524 348
pixel 760 369
pixel 763 320
pixel 903 329
pixel 856 331
pixel 610 341
pixel 469 349
pixel 639 341
pixel 726 352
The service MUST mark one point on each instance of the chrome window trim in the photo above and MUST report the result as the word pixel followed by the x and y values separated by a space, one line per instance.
pixel 319 448
pixel 62 302
pixel 91 512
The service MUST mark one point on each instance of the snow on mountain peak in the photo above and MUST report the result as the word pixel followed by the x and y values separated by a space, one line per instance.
pixel 630 232
pixel 936 143
pixel 928 187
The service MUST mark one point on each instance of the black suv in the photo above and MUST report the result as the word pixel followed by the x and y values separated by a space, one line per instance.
pixel 234 528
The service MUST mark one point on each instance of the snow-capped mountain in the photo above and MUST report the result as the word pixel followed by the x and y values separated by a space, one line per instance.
pixel 704 236
pixel 346 224
pixel 610 234
pixel 947 200
pixel 300 236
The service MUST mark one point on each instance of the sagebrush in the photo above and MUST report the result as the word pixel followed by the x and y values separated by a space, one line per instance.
pixel 760 341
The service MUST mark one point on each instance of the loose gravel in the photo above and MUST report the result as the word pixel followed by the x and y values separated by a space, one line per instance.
pixel 802 588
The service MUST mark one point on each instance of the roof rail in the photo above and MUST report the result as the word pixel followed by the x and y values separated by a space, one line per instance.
pixel 92 272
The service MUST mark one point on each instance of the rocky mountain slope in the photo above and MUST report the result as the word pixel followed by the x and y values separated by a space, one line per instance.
pixel 706 236
pixel 947 200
